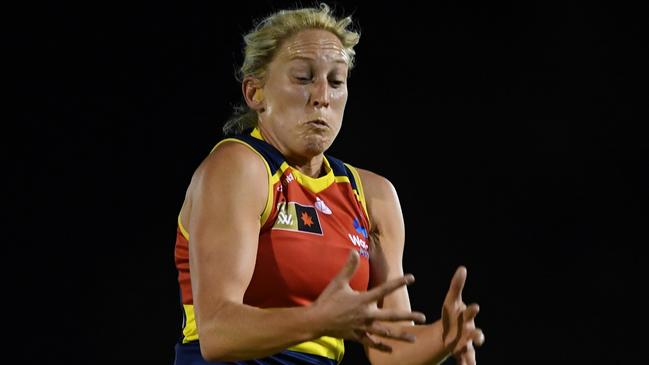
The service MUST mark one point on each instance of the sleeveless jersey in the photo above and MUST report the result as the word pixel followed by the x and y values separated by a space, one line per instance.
pixel 308 227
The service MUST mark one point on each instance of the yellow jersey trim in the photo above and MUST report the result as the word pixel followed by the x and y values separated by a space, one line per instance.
pixel 257 134
pixel 315 185
pixel 183 231
pixel 361 193
pixel 190 331
pixel 329 347
pixel 343 179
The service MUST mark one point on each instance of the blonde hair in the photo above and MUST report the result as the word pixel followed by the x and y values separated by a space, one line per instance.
pixel 263 42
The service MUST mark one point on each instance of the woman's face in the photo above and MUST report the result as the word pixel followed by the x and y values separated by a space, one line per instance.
pixel 305 94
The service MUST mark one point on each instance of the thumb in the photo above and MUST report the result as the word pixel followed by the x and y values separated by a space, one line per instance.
pixel 350 267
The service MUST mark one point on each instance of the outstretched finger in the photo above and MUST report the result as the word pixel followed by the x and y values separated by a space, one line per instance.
pixel 388 287
pixel 345 274
pixel 395 315
pixel 478 337
pixel 383 331
pixel 471 312
pixel 457 285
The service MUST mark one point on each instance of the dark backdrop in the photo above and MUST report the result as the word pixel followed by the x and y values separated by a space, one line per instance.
pixel 511 131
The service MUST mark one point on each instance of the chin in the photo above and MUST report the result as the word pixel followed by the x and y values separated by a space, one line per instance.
pixel 316 145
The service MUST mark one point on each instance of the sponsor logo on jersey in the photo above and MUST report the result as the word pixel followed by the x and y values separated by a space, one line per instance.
pixel 357 241
pixel 288 178
pixel 359 228
pixel 292 216
pixel 321 206
pixel 363 247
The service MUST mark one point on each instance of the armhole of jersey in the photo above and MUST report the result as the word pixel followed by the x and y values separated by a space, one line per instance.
pixel 182 229
pixel 263 217
pixel 361 194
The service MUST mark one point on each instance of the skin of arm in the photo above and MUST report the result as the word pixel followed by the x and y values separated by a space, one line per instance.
pixel 388 236
pixel 225 199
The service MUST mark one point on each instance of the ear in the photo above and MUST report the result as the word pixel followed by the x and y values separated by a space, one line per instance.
pixel 253 93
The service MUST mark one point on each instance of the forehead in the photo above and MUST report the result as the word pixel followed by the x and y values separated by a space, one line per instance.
pixel 311 44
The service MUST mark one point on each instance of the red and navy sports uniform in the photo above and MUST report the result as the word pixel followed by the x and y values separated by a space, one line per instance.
pixel 308 227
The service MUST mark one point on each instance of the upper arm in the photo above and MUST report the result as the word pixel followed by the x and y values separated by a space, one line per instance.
pixel 387 234
pixel 227 195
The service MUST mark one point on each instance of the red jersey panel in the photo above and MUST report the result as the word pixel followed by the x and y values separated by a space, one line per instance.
pixel 307 240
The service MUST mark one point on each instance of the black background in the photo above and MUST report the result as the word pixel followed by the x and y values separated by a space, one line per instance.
pixel 511 130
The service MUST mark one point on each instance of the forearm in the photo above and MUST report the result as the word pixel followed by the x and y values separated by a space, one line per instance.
pixel 236 331
pixel 428 348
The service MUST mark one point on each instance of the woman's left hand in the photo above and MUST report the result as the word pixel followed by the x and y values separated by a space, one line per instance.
pixel 458 322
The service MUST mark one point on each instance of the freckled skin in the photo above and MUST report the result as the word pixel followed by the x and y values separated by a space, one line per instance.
pixel 306 81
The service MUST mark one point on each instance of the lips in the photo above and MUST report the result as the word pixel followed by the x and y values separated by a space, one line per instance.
pixel 318 122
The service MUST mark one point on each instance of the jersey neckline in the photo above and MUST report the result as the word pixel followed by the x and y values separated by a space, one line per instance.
pixel 315 184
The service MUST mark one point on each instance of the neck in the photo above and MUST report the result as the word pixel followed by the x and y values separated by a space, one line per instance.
pixel 312 166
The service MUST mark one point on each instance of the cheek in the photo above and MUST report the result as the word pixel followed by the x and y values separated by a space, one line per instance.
pixel 284 102
pixel 294 96
pixel 339 98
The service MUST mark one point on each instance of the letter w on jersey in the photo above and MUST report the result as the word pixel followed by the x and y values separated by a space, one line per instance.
pixel 284 218
pixel 292 216
pixel 357 241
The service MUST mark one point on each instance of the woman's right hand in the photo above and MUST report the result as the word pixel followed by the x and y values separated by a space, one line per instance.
pixel 342 312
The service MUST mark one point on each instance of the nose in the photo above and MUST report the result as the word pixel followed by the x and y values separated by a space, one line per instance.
pixel 320 94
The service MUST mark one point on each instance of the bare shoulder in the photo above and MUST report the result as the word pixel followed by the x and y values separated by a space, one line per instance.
pixel 231 167
pixel 375 186
pixel 231 160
